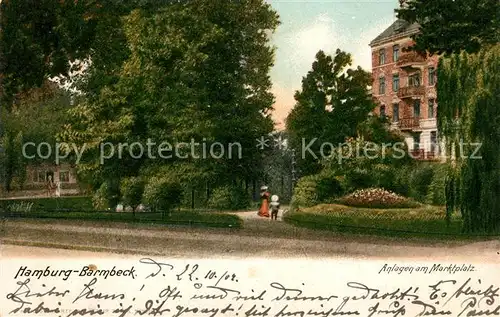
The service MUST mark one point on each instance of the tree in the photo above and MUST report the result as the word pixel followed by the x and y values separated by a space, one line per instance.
pixel 187 70
pixel 37 116
pixel 378 130
pixel 278 162
pixel 450 26
pixel 467 88
pixel 132 190
pixel 333 102
pixel 39 38
pixel 469 118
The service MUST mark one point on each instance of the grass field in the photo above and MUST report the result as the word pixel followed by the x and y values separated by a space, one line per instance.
pixel 80 208
pixel 183 218
pixel 421 221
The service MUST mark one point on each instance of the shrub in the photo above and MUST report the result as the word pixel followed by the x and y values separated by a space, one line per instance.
pixel 374 168
pixel 229 198
pixel 402 177
pixel 132 189
pixel 358 178
pixel 328 186
pixel 314 189
pixel 107 196
pixel 99 199
pixel 162 194
pixel 436 194
pixel 384 176
pixel 420 181
pixel 305 194
pixel 377 198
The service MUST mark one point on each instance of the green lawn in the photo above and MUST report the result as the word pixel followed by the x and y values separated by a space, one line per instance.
pixel 184 218
pixel 423 221
pixel 80 208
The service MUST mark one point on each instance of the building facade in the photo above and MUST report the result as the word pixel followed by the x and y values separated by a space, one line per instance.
pixel 404 85
pixel 38 178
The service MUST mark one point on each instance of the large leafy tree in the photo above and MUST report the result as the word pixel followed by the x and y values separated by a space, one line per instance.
pixel 469 116
pixel 450 26
pixel 37 116
pixel 334 100
pixel 468 89
pixel 39 38
pixel 187 70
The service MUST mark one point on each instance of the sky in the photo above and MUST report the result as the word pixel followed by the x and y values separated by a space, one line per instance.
pixel 310 25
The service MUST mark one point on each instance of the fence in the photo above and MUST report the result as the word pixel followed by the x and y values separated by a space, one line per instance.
pixel 82 211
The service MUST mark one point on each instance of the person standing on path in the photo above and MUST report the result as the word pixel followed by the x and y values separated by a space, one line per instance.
pixel 264 206
pixel 275 207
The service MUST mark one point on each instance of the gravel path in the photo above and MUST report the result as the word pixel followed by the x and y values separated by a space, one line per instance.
pixel 259 238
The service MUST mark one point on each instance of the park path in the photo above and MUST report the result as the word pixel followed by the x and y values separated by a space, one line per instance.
pixel 260 238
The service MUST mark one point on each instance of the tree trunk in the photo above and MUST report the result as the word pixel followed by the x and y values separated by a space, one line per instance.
pixel 192 198
pixel 208 192
pixel 282 184
pixel 254 185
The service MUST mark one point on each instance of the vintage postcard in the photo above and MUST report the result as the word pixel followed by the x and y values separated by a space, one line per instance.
pixel 248 158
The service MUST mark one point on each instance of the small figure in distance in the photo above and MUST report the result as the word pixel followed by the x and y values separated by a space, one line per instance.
pixel 264 206
pixel 275 207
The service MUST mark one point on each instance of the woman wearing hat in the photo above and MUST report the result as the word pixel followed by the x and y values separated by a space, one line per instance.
pixel 264 206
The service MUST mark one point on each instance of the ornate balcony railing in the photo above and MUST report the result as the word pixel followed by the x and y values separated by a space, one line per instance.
pixel 411 91
pixel 422 155
pixel 411 59
pixel 409 123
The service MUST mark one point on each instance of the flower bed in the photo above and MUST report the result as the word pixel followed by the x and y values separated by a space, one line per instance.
pixel 377 198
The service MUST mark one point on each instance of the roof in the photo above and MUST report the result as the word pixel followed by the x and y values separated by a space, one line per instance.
pixel 400 28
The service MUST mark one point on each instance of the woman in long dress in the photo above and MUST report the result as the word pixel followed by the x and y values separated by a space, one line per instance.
pixel 264 206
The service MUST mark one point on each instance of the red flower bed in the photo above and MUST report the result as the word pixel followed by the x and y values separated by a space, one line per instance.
pixel 377 198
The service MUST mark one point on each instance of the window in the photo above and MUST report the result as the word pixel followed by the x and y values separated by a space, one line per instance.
pixel 41 178
pixel 395 82
pixel 431 112
pixel 381 87
pixel 414 80
pixel 395 112
pixel 434 141
pixel 64 176
pixel 381 57
pixel 395 53
pixel 432 76
pixel 382 111
pixel 416 142
pixel 49 176
pixel 416 109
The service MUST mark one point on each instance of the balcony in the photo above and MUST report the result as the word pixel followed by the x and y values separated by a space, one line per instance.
pixel 409 123
pixel 411 91
pixel 411 60
pixel 422 155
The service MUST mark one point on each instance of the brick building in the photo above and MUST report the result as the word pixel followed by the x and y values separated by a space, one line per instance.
pixel 404 84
